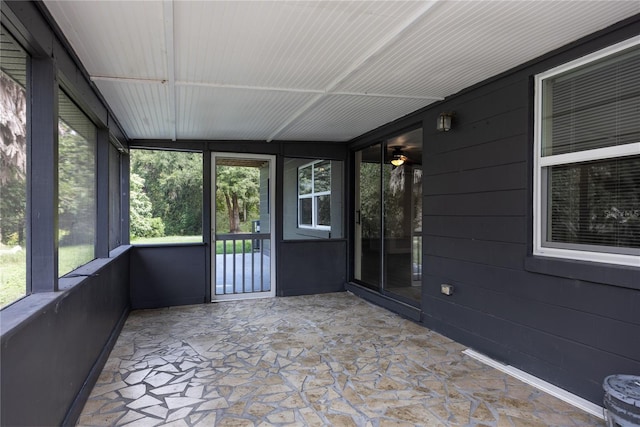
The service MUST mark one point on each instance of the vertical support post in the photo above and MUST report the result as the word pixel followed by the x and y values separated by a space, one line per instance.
pixel 124 201
pixel 102 194
pixel 42 192
pixel 244 268
pixel 235 290
pixel 224 266
pixel 207 223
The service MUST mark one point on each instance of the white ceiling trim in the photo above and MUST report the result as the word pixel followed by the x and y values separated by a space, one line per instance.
pixel 376 49
pixel 132 80
pixel 167 10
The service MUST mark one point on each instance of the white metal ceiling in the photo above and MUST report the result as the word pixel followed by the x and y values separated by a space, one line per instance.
pixel 305 70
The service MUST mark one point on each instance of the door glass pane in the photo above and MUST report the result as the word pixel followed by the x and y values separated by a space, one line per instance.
pixel 368 216
pixel 416 249
pixel 402 217
pixel 242 227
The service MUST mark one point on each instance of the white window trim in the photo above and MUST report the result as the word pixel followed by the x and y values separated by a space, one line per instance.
pixel 582 156
pixel 313 196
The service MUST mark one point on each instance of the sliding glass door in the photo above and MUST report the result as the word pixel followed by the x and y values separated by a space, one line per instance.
pixel 388 217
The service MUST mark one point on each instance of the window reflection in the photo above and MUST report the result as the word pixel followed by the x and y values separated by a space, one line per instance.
pixel 313 199
pixel 13 170
pixel 76 187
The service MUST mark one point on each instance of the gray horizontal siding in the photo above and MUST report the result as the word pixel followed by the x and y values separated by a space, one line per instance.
pixel 570 323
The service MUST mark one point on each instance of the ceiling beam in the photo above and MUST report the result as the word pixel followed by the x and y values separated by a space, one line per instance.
pixel 261 88
pixel 307 91
pixel 249 87
pixel 382 45
pixel 167 9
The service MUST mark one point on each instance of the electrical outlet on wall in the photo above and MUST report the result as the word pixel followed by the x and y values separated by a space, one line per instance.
pixel 446 289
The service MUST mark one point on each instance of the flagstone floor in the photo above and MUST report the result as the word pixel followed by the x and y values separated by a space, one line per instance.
pixel 317 360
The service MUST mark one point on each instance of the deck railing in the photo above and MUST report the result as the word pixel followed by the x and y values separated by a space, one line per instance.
pixel 243 263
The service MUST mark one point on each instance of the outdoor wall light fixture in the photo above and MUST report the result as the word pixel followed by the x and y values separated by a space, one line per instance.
pixel 444 122
pixel 397 157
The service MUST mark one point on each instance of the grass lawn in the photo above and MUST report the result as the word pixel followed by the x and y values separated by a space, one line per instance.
pixel 166 239
pixel 13 269
pixel 13 277
pixel 229 243
pixel 194 239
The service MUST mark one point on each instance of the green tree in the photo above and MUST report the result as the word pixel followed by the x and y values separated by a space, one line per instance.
pixel 142 223
pixel 173 183
pixel 13 161
pixel 239 189
pixel 370 209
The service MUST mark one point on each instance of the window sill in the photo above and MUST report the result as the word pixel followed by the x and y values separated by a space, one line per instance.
pixel 608 274
pixel 167 244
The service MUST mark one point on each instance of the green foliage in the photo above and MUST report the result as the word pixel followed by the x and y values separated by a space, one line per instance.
pixel 401 184
pixel 13 160
pixel 13 205
pixel 13 275
pixel 172 184
pixel 142 224
pixel 14 239
pixel 370 199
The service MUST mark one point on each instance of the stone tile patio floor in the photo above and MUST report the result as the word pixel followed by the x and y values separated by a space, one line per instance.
pixel 330 359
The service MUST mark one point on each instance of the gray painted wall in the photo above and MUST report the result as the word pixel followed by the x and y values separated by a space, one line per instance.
pixel 63 342
pixel 168 275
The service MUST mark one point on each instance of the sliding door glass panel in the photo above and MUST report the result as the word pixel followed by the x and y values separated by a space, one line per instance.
pixel 368 217
pixel 402 201
pixel 416 240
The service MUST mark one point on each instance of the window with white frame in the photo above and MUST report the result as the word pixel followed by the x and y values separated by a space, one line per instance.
pixel 587 158
pixel 314 195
